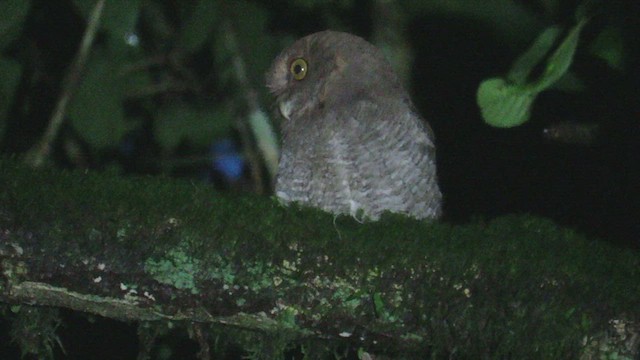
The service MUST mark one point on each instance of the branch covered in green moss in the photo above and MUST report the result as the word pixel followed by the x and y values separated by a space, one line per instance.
pixel 156 249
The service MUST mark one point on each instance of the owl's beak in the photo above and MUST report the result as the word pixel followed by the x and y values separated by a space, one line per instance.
pixel 285 108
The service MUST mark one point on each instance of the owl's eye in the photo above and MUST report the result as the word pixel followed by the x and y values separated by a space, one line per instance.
pixel 298 68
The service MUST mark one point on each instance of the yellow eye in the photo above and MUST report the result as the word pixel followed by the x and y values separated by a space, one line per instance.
pixel 298 68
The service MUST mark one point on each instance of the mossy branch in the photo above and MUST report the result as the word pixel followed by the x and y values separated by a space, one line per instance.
pixel 160 250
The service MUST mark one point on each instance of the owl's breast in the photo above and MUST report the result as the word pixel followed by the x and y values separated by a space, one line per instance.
pixel 315 172
pixel 361 163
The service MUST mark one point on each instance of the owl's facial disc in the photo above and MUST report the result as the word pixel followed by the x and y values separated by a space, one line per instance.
pixel 298 71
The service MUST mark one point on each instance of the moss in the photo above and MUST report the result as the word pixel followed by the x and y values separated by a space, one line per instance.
pixel 176 269
pixel 515 286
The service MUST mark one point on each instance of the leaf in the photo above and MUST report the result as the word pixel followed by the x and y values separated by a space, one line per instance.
pixel 507 103
pixel 266 138
pixel 121 16
pixel 570 82
pixel 96 110
pixel 378 303
pixel 196 125
pixel 12 15
pixel 252 39
pixel 609 46
pixel 523 66
pixel 119 19
pixel 10 74
pixel 198 26
pixel 503 105
pixel 561 59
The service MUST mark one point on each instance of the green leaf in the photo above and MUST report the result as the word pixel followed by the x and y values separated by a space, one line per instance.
pixel 252 39
pixel 609 46
pixel 96 109
pixel 118 19
pixel 507 103
pixel 10 75
pixel 523 66
pixel 287 317
pixel 378 304
pixel 561 59
pixel 266 139
pixel 12 15
pixel 503 105
pixel 570 82
pixel 186 122
pixel 198 26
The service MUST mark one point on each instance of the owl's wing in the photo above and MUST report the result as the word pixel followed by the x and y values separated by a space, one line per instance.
pixel 384 154
pixel 382 129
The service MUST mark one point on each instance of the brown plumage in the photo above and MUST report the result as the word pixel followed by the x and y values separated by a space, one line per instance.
pixel 352 142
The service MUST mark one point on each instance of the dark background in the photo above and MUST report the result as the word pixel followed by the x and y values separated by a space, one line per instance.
pixel 170 103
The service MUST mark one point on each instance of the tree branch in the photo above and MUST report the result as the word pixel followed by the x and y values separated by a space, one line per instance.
pixel 159 250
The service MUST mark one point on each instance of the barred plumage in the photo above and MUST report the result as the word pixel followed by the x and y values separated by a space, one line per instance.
pixel 352 142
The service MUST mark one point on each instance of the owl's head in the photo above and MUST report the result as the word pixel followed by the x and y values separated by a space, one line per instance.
pixel 328 67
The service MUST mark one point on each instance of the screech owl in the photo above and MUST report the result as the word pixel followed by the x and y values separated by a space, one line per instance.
pixel 352 142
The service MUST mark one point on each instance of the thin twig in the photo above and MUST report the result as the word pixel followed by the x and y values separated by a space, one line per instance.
pixel 39 153
pixel 257 121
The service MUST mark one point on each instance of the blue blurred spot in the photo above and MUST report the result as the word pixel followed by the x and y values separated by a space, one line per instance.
pixel 227 160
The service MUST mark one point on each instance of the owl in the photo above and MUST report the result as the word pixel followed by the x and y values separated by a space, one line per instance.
pixel 352 142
